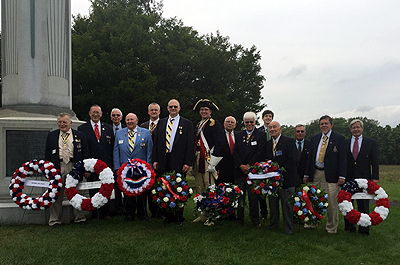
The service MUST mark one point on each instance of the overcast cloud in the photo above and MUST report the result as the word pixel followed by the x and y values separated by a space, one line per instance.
pixel 335 57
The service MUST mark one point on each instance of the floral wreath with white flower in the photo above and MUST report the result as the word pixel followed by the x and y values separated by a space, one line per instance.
pixel 218 201
pixel 106 177
pixel 380 212
pixel 309 204
pixel 44 201
pixel 171 192
pixel 265 178
pixel 135 177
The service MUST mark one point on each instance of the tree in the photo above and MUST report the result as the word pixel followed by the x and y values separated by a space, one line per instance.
pixel 126 55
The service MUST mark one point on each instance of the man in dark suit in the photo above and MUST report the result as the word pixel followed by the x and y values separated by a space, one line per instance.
pixel 130 143
pixel 303 149
pixel 154 113
pixel 281 149
pixel 326 167
pixel 173 147
pixel 362 162
pixel 226 166
pixel 267 117
pixel 249 148
pixel 116 118
pixel 100 137
pixel 64 148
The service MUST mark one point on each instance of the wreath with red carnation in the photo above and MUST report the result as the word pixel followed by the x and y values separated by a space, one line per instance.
pixel 44 201
pixel 380 212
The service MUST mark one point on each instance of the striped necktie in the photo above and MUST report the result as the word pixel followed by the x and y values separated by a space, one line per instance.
pixel 274 147
pixel 131 140
pixel 321 155
pixel 152 127
pixel 248 137
pixel 168 135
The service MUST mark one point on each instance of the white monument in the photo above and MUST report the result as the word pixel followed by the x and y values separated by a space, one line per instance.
pixel 36 83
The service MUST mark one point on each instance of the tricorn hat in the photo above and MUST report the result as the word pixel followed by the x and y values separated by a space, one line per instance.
pixel 205 103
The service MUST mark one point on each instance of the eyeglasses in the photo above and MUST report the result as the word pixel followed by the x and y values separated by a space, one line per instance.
pixel 249 122
pixel 173 107
pixel 115 115
pixel 300 131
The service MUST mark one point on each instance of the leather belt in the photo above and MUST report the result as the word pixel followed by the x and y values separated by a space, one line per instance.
pixel 319 168
pixel 70 160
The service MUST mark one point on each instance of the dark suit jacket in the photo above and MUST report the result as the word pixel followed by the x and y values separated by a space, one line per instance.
pixel 183 147
pixel 302 162
pixel 227 165
pixel 335 162
pixel 248 153
pixel 146 126
pixel 52 152
pixel 367 158
pixel 103 149
pixel 286 156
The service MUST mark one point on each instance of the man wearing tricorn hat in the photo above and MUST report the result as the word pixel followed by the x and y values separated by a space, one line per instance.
pixel 207 151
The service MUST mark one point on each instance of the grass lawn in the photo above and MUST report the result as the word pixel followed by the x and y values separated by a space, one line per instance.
pixel 117 242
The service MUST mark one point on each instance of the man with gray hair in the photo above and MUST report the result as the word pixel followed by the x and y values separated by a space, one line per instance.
pixel 303 149
pixel 249 149
pixel 116 118
pixel 362 162
pixel 154 113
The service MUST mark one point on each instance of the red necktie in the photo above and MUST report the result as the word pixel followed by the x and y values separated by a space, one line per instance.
pixel 355 149
pixel 231 143
pixel 97 132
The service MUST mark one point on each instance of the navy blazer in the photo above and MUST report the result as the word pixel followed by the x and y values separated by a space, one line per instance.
pixel 227 165
pixel 302 161
pixel 102 149
pixel 141 150
pixel 183 147
pixel 248 153
pixel 367 159
pixel 335 162
pixel 52 152
pixel 285 156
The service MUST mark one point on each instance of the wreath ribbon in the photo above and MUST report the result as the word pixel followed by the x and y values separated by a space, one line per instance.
pixel 304 197
pixel 166 183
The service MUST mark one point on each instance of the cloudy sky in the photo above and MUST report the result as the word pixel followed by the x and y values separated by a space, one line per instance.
pixel 335 57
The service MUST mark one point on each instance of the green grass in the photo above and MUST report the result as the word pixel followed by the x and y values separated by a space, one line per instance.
pixel 117 242
pixel 389 179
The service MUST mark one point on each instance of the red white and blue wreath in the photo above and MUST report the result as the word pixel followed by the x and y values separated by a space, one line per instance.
pixel 380 212
pixel 48 198
pixel 106 177
pixel 135 177
pixel 265 178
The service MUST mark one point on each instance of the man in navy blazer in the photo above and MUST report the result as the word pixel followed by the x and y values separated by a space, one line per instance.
pixel 142 148
pixel 249 148
pixel 327 166
pixel 303 149
pixel 281 149
pixel 178 154
pixel 74 148
pixel 362 162
pixel 227 165
pixel 100 137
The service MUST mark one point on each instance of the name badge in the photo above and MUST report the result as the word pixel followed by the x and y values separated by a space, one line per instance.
pixel 120 141
pixel 278 153
pixel 254 143
pixel 54 151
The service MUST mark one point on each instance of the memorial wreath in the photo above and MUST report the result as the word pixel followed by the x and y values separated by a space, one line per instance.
pixel 100 198
pixel 380 212
pixel 265 178
pixel 135 177
pixel 171 191
pixel 46 199
pixel 310 204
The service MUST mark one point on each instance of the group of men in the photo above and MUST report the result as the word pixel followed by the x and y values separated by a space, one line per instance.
pixel 216 154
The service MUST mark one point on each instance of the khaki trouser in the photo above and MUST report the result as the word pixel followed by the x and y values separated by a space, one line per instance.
pixel 202 180
pixel 332 189
pixel 56 208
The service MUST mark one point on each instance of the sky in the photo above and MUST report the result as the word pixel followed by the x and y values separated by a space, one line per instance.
pixel 335 57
